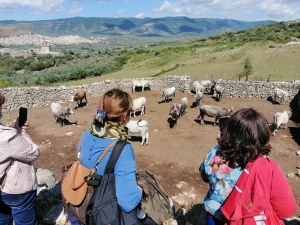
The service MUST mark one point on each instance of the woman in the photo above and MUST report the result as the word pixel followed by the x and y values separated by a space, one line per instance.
pixel 244 182
pixel 17 174
pixel 109 126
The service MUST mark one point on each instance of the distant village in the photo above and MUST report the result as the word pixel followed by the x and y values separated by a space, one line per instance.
pixel 45 42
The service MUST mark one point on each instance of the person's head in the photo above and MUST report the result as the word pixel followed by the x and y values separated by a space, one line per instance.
pixel 117 105
pixel 2 100
pixel 245 137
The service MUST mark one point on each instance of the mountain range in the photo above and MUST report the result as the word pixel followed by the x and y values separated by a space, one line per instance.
pixel 146 27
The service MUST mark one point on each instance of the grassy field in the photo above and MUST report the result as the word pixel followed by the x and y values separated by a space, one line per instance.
pixel 280 61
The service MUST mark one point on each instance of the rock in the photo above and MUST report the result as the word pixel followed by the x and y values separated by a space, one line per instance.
pixel 69 134
pixel 45 178
pixel 298 153
pixel 290 175
pixel 107 81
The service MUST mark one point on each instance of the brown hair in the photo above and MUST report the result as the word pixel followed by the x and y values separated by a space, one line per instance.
pixel 2 99
pixel 117 105
pixel 245 138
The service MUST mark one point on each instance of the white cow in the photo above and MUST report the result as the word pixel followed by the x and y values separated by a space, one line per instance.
pixel 139 103
pixel 197 85
pixel 218 91
pixel 197 98
pixel 281 94
pixel 140 83
pixel 183 105
pixel 167 93
pixel 60 113
pixel 206 83
pixel 139 126
pixel 280 118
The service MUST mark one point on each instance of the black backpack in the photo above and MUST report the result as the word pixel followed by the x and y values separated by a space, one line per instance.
pixel 103 208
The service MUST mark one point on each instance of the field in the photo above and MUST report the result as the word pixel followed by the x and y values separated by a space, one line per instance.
pixel 173 155
pixel 280 62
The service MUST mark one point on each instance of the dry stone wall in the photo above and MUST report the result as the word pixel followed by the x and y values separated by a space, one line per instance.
pixel 39 96
pixel 255 89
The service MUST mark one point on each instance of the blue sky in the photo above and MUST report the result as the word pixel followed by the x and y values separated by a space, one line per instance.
pixel 248 10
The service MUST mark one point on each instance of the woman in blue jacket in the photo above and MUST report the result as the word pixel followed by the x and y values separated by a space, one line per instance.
pixel 109 126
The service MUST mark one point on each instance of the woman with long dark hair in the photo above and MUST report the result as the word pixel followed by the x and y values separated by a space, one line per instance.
pixel 246 186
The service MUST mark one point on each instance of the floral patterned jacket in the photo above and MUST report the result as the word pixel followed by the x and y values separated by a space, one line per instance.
pixel 221 179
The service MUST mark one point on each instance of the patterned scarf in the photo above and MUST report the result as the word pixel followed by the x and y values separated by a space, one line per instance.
pixel 110 129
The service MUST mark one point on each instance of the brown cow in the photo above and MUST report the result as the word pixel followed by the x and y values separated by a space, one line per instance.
pixel 79 96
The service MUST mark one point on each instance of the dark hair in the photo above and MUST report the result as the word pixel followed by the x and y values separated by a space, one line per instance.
pixel 245 138
pixel 2 99
pixel 117 105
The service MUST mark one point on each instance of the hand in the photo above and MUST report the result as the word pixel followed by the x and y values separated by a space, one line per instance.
pixel 23 128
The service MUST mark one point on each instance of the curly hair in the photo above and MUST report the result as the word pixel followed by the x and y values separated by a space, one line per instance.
pixel 245 138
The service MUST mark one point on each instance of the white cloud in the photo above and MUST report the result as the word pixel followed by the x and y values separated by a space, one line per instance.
pixel 277 8
pixel 42 5
pixel 178 10
pixel 76 8
pixel 35 13
pixel 140 15
pixel 120 12
pixel 164 7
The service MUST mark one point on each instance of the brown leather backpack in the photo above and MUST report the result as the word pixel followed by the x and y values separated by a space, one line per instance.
pixel 75 190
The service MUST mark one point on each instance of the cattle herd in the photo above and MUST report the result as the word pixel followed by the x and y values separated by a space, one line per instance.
pixel 177 110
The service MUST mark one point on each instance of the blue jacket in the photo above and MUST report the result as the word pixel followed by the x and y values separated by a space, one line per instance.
pixel 128 194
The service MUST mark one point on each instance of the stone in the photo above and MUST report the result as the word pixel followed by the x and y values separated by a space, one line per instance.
pixel 298 153
pixel 290 175
pixel 107 81
pixel 69 134
pixel 45 178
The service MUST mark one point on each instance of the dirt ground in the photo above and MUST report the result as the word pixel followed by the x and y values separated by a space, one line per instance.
pixel 173 154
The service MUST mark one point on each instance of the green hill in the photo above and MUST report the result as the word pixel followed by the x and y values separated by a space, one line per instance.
pixel 146 27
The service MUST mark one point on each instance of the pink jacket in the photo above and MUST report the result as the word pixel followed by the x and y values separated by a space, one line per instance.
pixel 17 154
pixel 261 185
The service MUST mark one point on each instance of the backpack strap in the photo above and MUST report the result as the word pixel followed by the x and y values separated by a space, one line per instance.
pixel 116 152
pixel 102 155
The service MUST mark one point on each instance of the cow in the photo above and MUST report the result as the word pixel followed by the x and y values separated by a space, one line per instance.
pixel 60 113
pixel 205 83
pixel 218 91
pixel 197 85
pixel 139 103
pixel 175 112
pixel 280 118
pixel 197 98
pixel 281 94
pixel 183 104
pixel 140 83
pixel 139 126
pixel 79 96
pixel 213 111
pixel 168 93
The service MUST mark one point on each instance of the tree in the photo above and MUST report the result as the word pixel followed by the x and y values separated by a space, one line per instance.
pixel 248 68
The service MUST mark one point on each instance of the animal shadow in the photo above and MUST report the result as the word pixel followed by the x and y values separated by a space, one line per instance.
pixel 81 105
pixel 164 101
pixel 140 89
pixel 216 98
pixel 205 122
pixel 194 105
pixel 295 118
pixel 270 99
pixel 135 138
pixel 295 133
pixel 63 122
pixel 171 122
